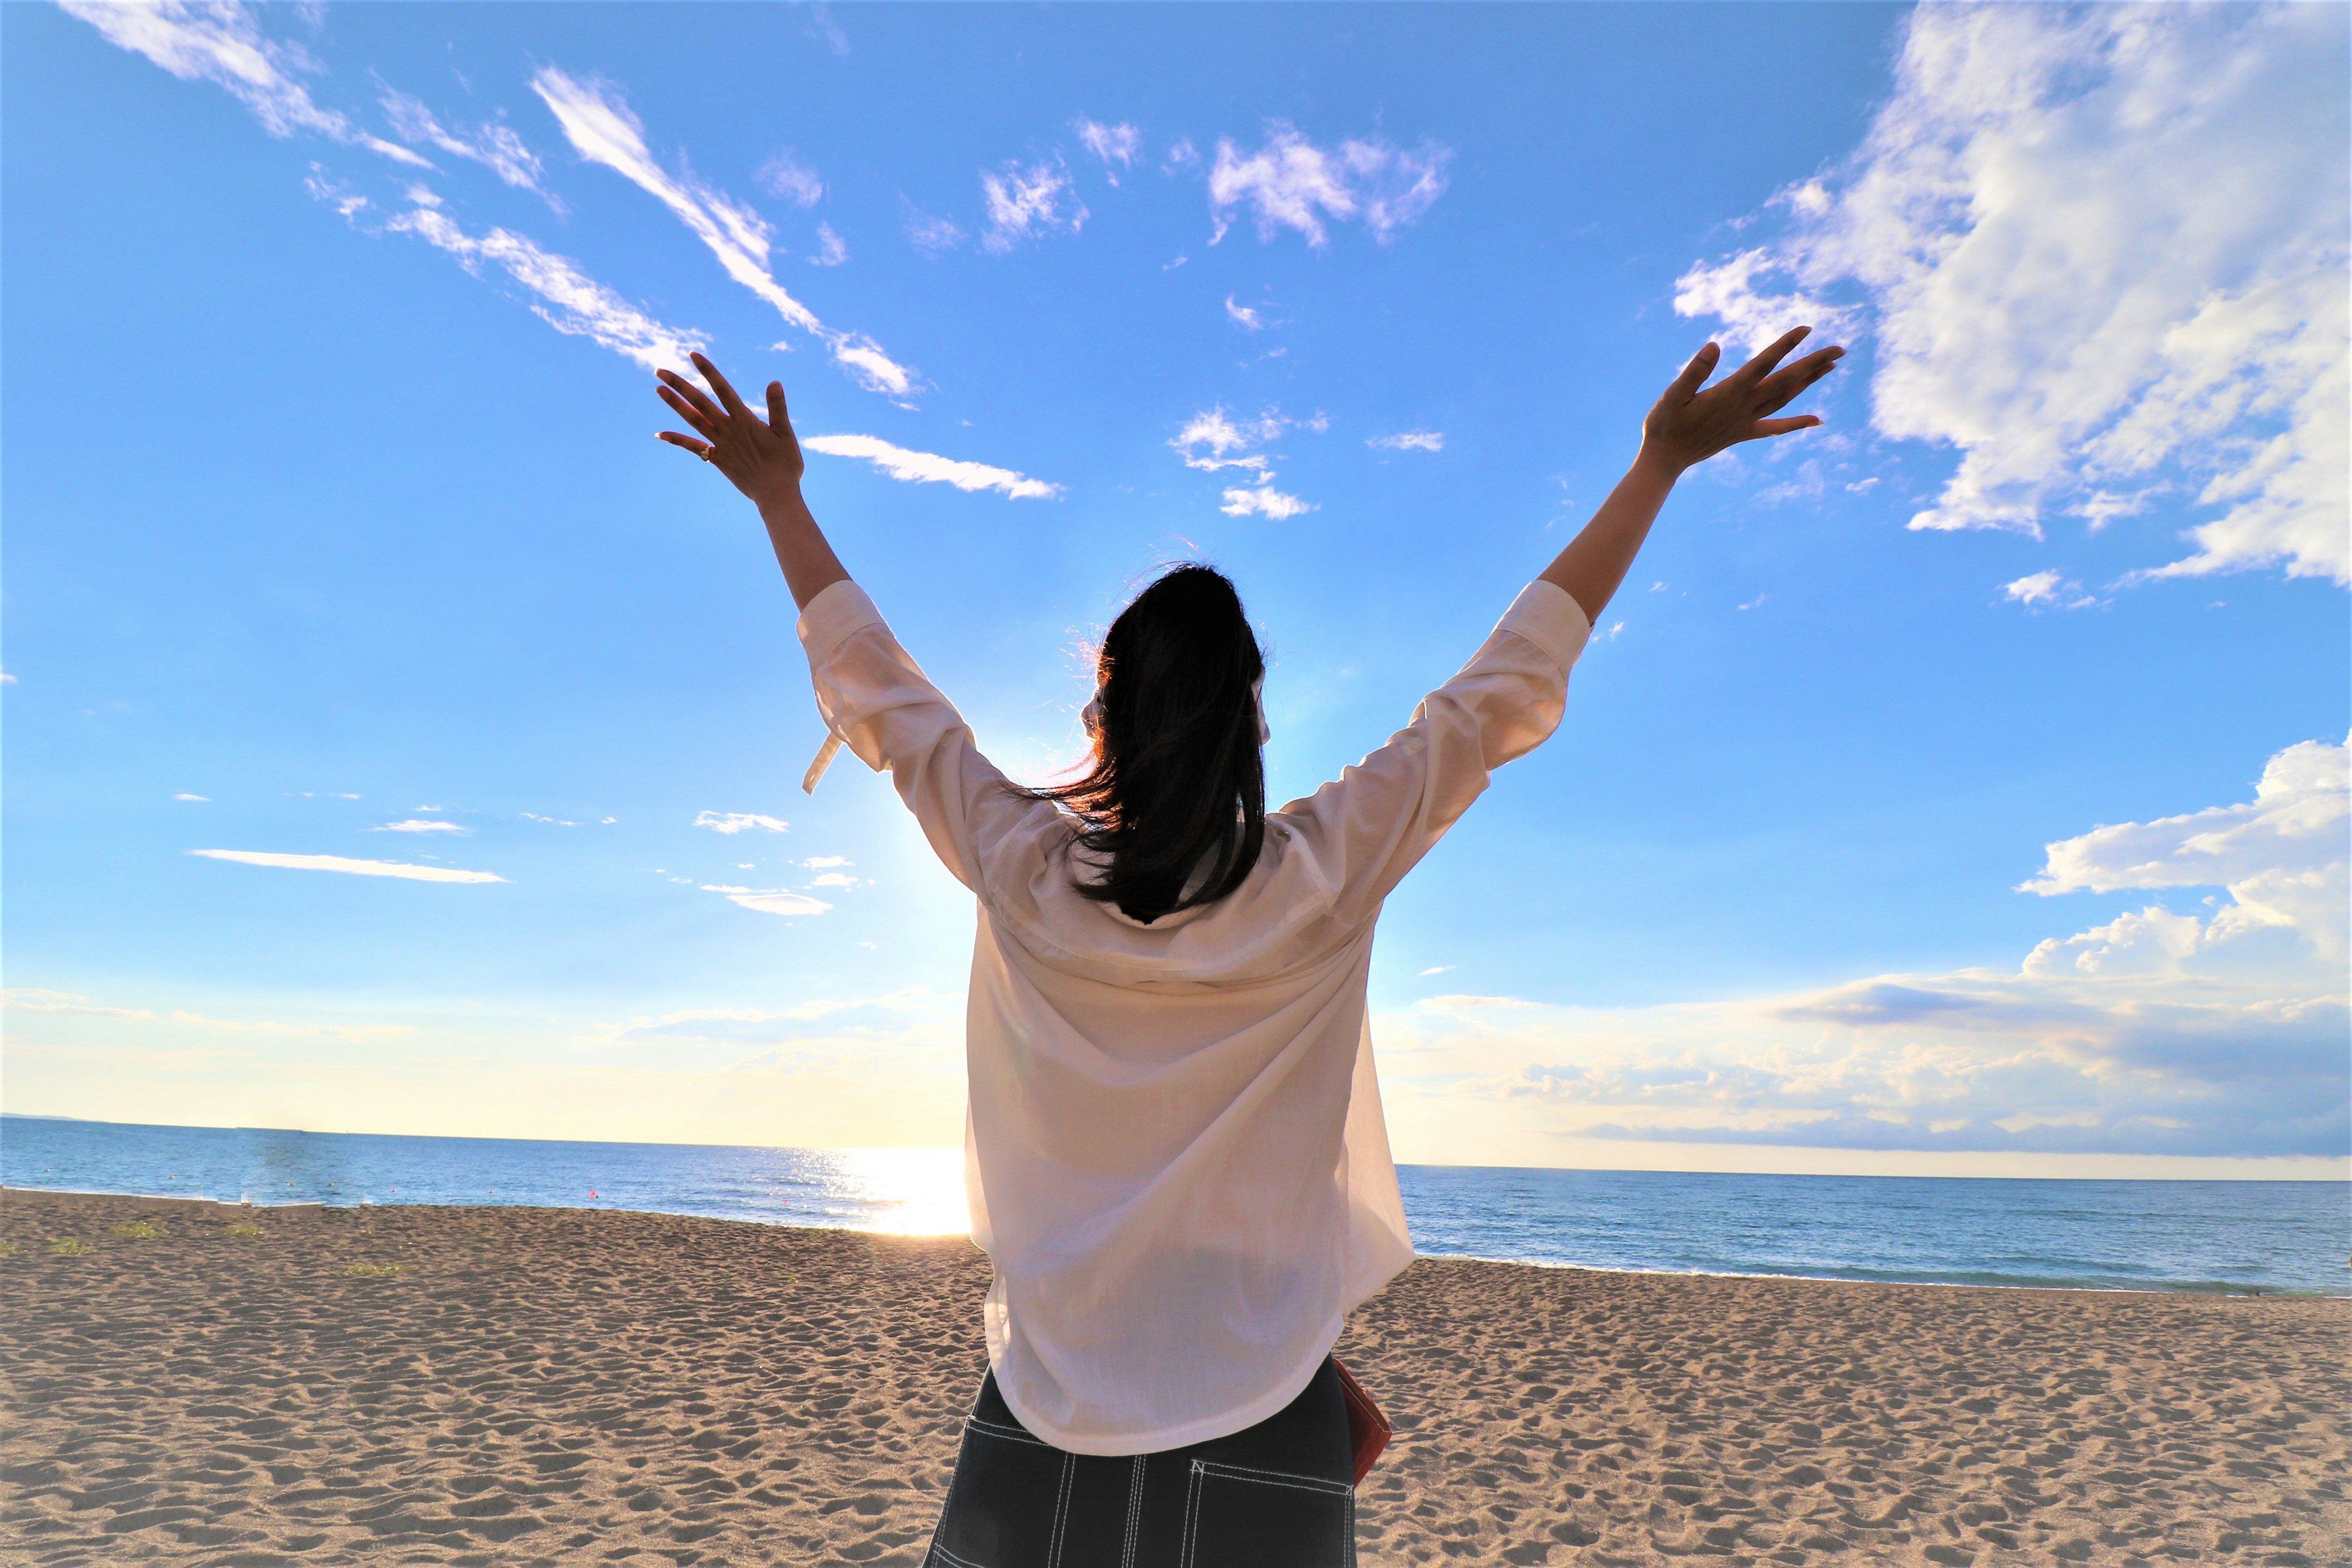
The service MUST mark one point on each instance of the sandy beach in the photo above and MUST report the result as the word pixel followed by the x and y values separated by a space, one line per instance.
pixel 570 1386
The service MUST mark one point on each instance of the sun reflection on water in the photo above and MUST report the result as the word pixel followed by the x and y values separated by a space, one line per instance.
pixel 913 1192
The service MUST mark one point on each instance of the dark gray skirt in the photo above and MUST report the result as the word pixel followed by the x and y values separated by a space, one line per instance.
pixel 1278 1495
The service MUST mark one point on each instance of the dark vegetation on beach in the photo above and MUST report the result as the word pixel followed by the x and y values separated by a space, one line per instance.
pixel 204 1383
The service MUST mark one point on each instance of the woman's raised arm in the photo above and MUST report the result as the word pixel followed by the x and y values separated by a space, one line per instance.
pixel 762 460
pixel 1687 428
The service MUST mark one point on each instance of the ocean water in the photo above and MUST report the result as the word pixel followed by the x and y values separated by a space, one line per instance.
pixel 2150 1236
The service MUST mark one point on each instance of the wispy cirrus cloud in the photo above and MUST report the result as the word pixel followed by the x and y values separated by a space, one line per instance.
pixel 771 900
pixel 1023 202
pixel 929 467
pixel 1115 145
pixel 2103 253
pixel 2050 590
pixel 734 822
pixel 493 145
pixel 34 1000
pixel 421 825
pixel 349 866
pixel 601 128
pixel 222 44
pixel 1213 440
pixel 1291 183
pixel 785 176
pixel 931 235
pixel 1410 441
pixel 566 297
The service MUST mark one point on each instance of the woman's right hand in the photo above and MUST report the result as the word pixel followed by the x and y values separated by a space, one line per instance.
pixel 1688 425
pixel 762 460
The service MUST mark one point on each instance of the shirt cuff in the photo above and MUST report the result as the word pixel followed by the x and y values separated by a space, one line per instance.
pixel 838 609
pixel 1545 615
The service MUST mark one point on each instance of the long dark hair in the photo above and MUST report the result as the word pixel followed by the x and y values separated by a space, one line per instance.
pixel 1176 792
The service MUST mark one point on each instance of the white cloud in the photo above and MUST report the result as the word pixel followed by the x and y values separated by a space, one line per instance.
pixel 184 795
pixel 832 251
pixel 8 679
pixel 2103 251
pixel 1115 145
pixel 221 44
pixel 1208 440
pixel 1264 501
pixel 353 868
pixel 2281 856
pixel 570 301
pixel 1039 199
pixel 785 176
pixel 1435 969
pixel 2152 1032
pixel 925 468
pixel 492 144
pixel 836 879
pixel 734 822
pixel 824 862
pixel 2050 590
pixel 1410 441
pixel 1290 183
pixel 931 235
pixel 550 821
pixel 421 825
pixel 602 128
pixel 770 901
pixel 1242 316
pixel 872 369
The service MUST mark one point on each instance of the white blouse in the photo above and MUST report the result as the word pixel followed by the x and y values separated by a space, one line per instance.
pixel 1173 1152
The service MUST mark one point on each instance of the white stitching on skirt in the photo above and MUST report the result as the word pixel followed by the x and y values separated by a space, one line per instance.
pixel 1273 1477
pixel 1191 1511
pixel 1134 1510
pixel 1010 1434
pixel 1061 1509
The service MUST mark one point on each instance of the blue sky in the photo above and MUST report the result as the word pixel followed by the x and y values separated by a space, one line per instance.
pixel 1956 788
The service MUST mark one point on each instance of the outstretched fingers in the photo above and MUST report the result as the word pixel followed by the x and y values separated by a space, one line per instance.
pixel 719 383
pixel 689 412
pixel 687 442
pixel 778 418
pixel 1759 367
pixel 1694 376
pixel 1779 389
pixel 1782 426
pixel 698 399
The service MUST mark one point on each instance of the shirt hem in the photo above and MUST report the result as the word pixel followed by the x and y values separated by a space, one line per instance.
pixel 1208 1429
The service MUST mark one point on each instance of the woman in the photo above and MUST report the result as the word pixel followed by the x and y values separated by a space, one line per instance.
pixel 1174 1150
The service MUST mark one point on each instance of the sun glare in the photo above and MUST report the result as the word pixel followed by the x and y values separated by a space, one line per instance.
pixel 914 1192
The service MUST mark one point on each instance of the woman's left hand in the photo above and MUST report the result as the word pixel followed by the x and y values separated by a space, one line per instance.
pixel 763 459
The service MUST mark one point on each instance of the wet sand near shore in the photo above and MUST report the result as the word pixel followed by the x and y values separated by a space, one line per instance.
pixel 513 1387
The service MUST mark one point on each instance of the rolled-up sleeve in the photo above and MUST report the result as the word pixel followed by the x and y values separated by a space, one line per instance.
pixel 1373 823
pixel 879 703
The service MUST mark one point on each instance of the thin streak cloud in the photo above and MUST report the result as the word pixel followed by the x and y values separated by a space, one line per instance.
pixel 223 45
pixel 929 467
pixel 493 145
pixel 349 867
pixel 602 128
pixel 569 300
